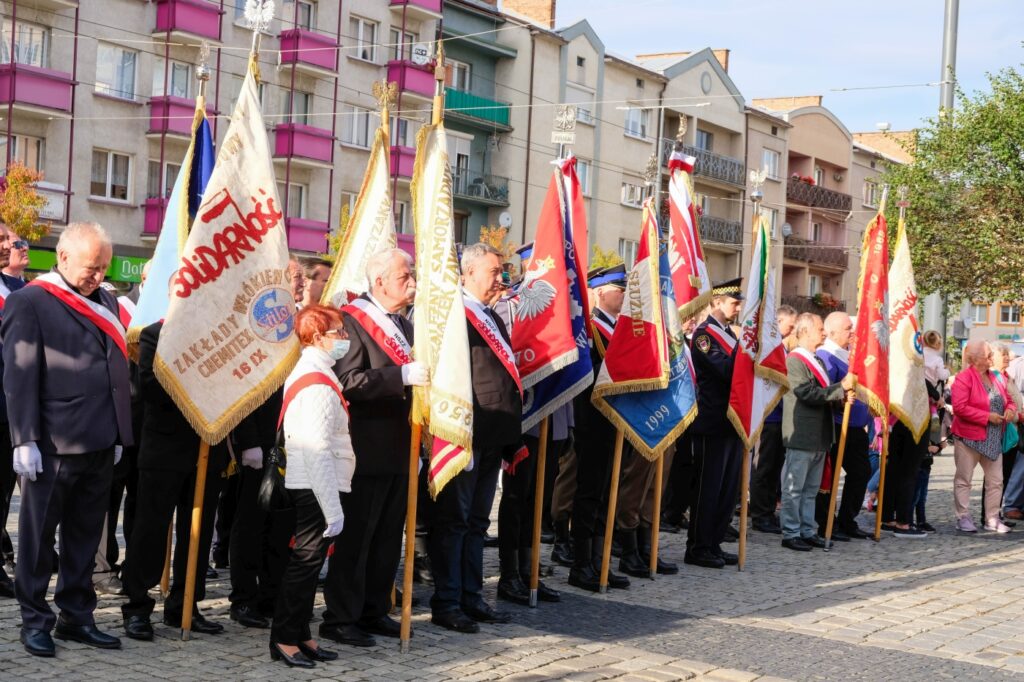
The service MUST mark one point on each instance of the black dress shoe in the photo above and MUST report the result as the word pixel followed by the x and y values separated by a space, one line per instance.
pixel 513 589
pixel 731 534
pixel 837 535
pixel 298 660
pixel 766 526
pixel 545 593
pixel 85 634
pixel 796 544
pixel 856 533
pixel 455 620
pixel 547 537
pixel 138 627
pixel 38 642
pixel 248 617
pixel 350 634
pixel 317 654
pixel 385 626
pixel 6 585
pixel 199 623
pixel 490 540
pixel 729 558
pixel 485 613
pixel 815 541
pixel 703 558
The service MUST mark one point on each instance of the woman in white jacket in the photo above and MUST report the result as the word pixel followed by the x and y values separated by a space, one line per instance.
pixel 320 467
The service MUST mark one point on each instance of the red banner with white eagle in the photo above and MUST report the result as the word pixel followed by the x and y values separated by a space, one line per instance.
pixel 690 278
pixel 869 359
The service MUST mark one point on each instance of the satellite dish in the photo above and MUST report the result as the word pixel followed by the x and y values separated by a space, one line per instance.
pixel 420 54
pixel 787 229
pixel 505 219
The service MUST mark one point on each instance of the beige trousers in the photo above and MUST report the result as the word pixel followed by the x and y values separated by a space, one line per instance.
pixel 966 460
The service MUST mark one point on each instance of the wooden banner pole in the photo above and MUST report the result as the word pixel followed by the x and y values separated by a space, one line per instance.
pixel 538 510
pixel 609 526
pixel 881 477
pixel 659 477
pixel 744 507
pixel 410 536
pixel 193 542
pixel 165 577
pixel 834 492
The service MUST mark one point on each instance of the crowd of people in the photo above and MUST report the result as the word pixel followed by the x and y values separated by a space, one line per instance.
pixel 93 437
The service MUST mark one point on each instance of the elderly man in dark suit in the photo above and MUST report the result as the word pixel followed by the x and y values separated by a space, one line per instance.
pixel 461 511
pixel 8 285
pixel 375 376
pixel 68 402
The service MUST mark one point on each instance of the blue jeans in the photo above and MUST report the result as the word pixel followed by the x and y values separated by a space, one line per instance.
pixel 921 495
pixel 873 457
pixel 801 478
pixel 1013 493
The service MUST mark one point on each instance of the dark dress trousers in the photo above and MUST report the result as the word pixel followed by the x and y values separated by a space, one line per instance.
pixel 7 477
pixel 361 571
pixel 168 452
pixel 461 512
pixel 67 390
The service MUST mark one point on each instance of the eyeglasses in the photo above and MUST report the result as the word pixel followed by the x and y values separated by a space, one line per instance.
pixel 337 333
pixel 20 244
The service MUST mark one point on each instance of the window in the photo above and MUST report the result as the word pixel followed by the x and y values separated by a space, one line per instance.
pixel 364 33
pixel 770 163
pixel 816 232
pixel 704 201
pixel 870 193
pixel 403 132
pixel 637 121
pixel 819 176
pixel 460 75
pixel 979 313
pixel 111 175
pixel 355 126
pixel 296 199
pixel 31 44
pixel 773 218
pixel 583 169
pixel 300 104
pixel 705 140
pixel 584 101
pixel 28 151
pixel 640 83
pixel 179 79
pixel 813 285
pixel 581 69
pixel 401 44
pixel 627 250
pixel 632 194
pixel 115 71
pixel 581 61
pixel 154 181
pixel 402 218
pixel 1009 313
pixel 307 15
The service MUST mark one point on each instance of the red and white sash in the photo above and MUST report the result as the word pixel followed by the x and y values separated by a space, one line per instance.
pixel 602 325
pixel 125 310
pixel 304 381
pixel 101 316
pixel 381 329
pixel 5 291
pixel 485 324
pixel 813 365
pixel 724 339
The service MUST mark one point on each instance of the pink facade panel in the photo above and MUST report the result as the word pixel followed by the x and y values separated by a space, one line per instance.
pixel 33 86
pixel 407 243
pixel 402 161
pixel 171 115
pixel 296 139
pixel 307 235
pixel 411 78
pixel 155 207
pixel 299 46
pixel 196 17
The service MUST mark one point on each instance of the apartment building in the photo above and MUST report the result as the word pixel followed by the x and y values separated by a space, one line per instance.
pixel 767 150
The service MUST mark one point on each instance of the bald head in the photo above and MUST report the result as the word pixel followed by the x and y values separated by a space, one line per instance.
pixel 839 328
pixel 83 256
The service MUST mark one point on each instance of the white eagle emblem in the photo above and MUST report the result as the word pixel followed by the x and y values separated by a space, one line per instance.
pixel 535 295
pixel 880 327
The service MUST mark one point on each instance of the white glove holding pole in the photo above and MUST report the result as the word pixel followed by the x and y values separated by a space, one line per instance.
pixel 335 527
pixel 28 461
pixel 252 458
pixel 415 374
pixel 118 451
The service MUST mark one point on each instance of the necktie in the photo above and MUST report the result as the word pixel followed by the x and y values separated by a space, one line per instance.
pixel 397 319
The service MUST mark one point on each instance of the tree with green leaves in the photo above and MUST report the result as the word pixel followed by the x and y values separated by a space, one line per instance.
pixel 965 218
pixel 599 258
pixel 20 203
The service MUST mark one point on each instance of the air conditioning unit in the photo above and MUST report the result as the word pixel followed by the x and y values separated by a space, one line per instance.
pixel 959 330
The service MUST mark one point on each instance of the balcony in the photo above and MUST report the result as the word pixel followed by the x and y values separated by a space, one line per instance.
pixel 52 5
pixel 36 91
pixel 811 252
pixel 418 10
pixel 800 192
pixel 305 145
pixel 188 19
pixel 172 116
pixel 412 79
pixel 402 161
pixel 810 304
pixel 155 207
pixel 307 235
pixel 474 110
pixel 310 52
pixel 489 190
pixel 715 230
pixel 709 165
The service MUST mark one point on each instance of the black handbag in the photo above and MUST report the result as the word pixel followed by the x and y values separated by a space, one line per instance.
pixel 273 496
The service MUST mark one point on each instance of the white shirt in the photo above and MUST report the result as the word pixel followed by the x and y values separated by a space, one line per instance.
pixel 833 348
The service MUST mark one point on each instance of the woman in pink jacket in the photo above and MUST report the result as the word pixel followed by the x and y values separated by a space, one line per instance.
pixel 981 408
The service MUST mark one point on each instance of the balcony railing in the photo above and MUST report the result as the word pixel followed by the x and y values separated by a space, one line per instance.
pixel 200 18
pixel 476 109
pixel 33 87
pixel 308 49
pixel 813 252
pixel 55 5
pixel 305 144
pixel 419 9
pixel 154 219
pixel 171 115
pixel 709 164
pixel 807 304
pixel 411 78
pixel 720 230
pixel 801 192
pixel 491 190
pixel 402 161
pixel 307 235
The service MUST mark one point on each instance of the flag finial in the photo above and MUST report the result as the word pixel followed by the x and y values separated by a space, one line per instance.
pixel 385 93
pixel 681 133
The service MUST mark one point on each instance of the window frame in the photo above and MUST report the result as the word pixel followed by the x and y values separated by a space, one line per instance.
pixel 303 198
pixel 129 189
pixel 293 117
pixel 357 26
pixel 1003 306
pixel 817 232
pixel 310 23
pixel 351 114
pixel 45 47
pixel 585 177
pixel 168 177
pixel 767 153
pixel 400 210
pixel 400 43
pixel 627 251
pixel 702 138
pixel 983 307
pixel 158 78
pixel 456 67
pixel 17 151
pixel 814 291
pixel 644 123
pixel 870 194
pixel 627 188
pixel 109 91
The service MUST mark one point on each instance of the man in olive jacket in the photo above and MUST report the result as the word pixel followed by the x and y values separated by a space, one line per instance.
pixel 807 432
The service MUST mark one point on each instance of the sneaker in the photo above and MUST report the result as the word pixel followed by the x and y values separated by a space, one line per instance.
pixel 997 526
pixel 926 527
pixel 910 533
pixel 966 525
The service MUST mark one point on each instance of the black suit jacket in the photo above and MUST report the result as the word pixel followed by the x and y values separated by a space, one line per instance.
pixel 379 403
pixel 259 429
pixel 66 382
pixel 13 284
pixel 713 366
pixel 497 405
pixel 168 442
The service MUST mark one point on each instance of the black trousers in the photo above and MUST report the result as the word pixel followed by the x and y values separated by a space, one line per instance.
pixel 71 491
pixel 680 481
pixel 361 571
pixel 7 479
pixel 123 487
pixel 258 549
pixel 160 493
pixel 225 523
pixel 905 456
pixel 717 461
pixel 459 518
pixel 858 473
pixel 593 477
pixel 518 492
pixel 766 477
pixel 298 588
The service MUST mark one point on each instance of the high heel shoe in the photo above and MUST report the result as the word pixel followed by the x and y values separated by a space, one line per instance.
pixel 318 654
pixel 297 660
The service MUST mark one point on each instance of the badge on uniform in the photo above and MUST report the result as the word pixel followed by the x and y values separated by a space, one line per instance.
pixel 703 343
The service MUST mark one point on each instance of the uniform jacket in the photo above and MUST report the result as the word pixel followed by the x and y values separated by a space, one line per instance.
pixel 66 381
pixel 13 284
pixel 592 429
pixel 713 366
pixel 497 405
pixel 807 408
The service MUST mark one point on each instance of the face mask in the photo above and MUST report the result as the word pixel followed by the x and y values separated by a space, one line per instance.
pixel 339 349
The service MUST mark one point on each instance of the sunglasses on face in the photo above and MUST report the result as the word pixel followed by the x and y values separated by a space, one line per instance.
pixel 19 244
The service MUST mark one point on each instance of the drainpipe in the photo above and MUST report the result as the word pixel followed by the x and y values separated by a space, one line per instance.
pixel 13 77
pixel 529 129
pixel 71 133
pixel 291 130
pixel 657 150
pixel 743 200
pixel 334 125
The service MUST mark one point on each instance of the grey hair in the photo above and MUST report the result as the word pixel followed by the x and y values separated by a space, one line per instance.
pixel 475 252
pixel 785 310
pixel 76 234
pixel 1001 348
pixel 379 264
pixel 804 323
pixel 974 349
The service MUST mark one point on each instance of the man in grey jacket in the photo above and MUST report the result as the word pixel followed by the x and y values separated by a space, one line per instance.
pixel 809 405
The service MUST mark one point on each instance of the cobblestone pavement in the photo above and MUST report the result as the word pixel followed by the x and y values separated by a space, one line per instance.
pixel 946 607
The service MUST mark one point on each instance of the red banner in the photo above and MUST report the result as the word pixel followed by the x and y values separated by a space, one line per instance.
pixel 869 359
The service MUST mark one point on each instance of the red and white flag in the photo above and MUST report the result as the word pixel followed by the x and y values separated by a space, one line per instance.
pixel 869 358
pixel 690 278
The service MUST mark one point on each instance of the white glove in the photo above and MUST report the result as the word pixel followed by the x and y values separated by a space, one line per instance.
pixel 335 528
pixel 415 374
pixel 28 461
pixel 252 458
